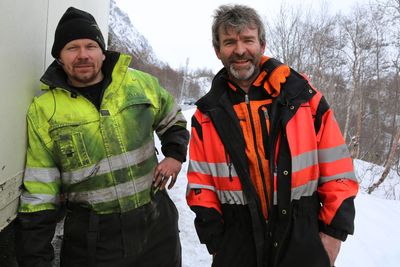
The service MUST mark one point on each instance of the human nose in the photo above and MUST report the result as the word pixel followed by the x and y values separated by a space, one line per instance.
pixel 83 53
pixel 239 48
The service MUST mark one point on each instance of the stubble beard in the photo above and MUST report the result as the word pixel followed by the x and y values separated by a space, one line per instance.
pixel 88 77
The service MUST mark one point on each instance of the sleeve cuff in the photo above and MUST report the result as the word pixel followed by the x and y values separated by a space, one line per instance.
pixel 175 151
pixel 213 245
pixel 336 233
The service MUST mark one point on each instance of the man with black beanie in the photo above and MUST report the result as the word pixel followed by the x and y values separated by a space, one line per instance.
pixel 91 152
pixel 76 24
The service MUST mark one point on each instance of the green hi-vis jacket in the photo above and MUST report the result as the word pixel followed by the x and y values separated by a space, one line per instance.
pixel 101 159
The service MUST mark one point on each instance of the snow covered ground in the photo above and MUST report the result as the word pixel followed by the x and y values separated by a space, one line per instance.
pixel 374 244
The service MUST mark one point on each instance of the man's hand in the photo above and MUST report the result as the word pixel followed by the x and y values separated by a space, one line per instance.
pixel 331 245
pixel 166 169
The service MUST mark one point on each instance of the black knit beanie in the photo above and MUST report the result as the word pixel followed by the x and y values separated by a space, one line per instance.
pixel 76 24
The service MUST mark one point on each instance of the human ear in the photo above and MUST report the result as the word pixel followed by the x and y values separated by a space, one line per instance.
pixel 217 53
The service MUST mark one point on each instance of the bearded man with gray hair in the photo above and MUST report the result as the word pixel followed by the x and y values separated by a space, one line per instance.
pixel 270 177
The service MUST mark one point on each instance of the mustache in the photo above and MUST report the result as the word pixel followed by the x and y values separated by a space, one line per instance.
pixel 83 63
pixel 237 58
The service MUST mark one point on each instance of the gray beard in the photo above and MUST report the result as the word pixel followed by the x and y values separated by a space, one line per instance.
pixel 244 77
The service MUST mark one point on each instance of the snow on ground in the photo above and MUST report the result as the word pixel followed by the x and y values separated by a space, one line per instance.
pixel 367 174
pixel 375 242
pixel 194 254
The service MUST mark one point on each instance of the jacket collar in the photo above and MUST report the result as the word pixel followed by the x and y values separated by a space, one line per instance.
pixel 55 76
pixel 268 72
pixel 218 88
pixel 275 77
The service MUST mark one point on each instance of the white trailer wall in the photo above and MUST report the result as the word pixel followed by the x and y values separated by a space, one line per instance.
pixel 26 37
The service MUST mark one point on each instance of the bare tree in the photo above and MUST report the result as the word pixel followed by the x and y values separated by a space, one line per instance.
pixel 353 60
pixel 375 97
pixel 389 163
pixel 289 36
pixel 326 61
pixel 356 25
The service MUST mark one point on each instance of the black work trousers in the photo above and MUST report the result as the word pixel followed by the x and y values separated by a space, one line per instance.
pixel 147 236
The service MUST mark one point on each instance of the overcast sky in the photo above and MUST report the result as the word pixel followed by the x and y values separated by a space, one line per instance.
pixel 181 29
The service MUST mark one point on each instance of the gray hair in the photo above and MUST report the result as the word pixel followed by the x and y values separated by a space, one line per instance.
pixel 237 17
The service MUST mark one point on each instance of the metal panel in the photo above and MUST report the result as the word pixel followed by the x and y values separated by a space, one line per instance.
pixel 22 51
pixel 9 193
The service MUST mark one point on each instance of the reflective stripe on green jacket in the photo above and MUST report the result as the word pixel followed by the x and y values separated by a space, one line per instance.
pixel 103 159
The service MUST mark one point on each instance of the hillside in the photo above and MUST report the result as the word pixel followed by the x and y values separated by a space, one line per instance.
pixel 124 37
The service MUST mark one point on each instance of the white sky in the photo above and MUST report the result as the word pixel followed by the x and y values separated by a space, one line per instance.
pixel 181 29
pixel 375 242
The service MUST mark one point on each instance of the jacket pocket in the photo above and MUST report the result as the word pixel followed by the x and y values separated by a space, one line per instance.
pixel 71 151
pixel 303 246
pixel 236 249
pixel 138 103
pixel 137 118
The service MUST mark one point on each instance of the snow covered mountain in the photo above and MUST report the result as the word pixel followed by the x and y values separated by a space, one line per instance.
pixel 124 36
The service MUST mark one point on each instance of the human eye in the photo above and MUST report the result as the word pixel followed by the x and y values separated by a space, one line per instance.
pixel 92 46
pixel 228 42
pixel 72 48
pixel 249 40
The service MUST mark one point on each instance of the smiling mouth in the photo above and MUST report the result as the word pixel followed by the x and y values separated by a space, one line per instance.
pixel 240 62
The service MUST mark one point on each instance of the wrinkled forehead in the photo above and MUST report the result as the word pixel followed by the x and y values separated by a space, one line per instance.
pixel 228 29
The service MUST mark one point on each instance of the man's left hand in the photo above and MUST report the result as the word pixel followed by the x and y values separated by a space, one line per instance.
pixel 167 169
pixel 331 245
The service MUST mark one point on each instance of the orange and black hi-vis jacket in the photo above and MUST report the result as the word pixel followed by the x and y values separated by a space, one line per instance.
pixel 274 162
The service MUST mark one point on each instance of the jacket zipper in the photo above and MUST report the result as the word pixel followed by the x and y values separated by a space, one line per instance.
pixel 265 126
pixel 247 100
pixel 229 163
